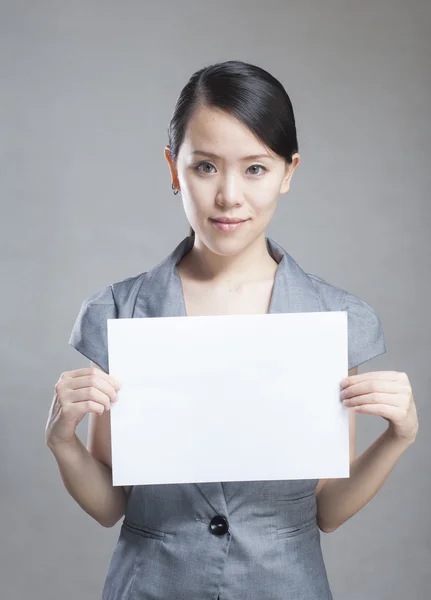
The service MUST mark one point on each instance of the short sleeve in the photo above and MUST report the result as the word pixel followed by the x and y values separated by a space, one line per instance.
pixel 365 332
pixel 89 334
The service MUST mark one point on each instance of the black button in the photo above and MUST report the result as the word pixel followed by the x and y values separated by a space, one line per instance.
pixel 219 525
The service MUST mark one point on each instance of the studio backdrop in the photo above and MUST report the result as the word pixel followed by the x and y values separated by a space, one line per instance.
pixel 87 92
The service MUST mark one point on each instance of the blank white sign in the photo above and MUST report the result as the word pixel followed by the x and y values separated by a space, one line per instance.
pixel 229 398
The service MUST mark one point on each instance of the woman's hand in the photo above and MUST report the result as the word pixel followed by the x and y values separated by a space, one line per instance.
pixel 76 394
pixel 387 394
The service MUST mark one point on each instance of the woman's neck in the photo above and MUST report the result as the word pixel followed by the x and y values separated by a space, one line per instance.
pixel 252 264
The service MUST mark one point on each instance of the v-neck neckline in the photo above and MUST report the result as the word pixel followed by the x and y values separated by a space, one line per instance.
pixel 161 293
pixel 275 286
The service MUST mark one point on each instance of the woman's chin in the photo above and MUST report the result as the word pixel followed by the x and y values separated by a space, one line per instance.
pixel 226 245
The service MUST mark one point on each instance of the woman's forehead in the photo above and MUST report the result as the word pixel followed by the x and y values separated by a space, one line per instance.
pixel 213 131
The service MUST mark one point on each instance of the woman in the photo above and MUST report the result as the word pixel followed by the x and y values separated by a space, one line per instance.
pixel 232 150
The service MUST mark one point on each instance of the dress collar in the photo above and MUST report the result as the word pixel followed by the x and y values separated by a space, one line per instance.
pixel 161 293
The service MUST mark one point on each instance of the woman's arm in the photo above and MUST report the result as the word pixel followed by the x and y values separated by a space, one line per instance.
pixel 386 394
pixel 340 499
pixel 87 473
pixel 89 482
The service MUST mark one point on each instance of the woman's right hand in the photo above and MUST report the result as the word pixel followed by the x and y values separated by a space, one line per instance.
pixel 77 393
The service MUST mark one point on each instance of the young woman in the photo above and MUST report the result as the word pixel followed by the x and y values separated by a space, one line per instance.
pixel 232 151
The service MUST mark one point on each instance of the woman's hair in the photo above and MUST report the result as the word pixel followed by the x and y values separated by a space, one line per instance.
pixel 248 93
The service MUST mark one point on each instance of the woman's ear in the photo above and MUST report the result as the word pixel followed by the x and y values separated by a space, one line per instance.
pixel 172 168
pixel 290 167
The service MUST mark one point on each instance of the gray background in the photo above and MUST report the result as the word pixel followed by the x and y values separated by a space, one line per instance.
pixel 87 91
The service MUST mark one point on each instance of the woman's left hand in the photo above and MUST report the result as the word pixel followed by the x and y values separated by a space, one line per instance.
pixel 387 394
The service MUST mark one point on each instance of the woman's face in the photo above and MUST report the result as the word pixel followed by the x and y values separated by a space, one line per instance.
pixel 217 180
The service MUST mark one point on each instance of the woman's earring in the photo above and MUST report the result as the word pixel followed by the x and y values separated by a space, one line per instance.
pixel 175 191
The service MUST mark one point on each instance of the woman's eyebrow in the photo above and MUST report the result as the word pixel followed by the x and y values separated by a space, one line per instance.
pixel 250 157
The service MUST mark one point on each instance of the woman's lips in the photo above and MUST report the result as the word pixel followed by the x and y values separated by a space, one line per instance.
pixel 228 226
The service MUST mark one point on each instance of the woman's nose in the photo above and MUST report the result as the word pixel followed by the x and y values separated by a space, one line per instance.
pixel 230 192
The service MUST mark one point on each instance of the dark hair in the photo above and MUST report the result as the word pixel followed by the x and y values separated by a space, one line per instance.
pixel 247 92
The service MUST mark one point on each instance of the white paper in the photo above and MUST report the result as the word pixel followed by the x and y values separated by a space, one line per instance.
pixel 229 398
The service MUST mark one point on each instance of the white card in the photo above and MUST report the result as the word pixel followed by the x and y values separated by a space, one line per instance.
pixel 229 398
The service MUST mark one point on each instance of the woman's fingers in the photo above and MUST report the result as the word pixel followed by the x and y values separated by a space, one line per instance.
pixel 78 410
pixel 91 371
pixel 91 387
pixel 77 393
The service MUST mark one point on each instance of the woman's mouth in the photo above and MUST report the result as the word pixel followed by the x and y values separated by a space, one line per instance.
pixel 228 225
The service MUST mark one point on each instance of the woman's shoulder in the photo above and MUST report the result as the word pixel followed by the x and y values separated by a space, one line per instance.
pixel 330 297
pixel 124 291
pixel 365 330
pixel 117 292
pixel 89 332
pixel 335 297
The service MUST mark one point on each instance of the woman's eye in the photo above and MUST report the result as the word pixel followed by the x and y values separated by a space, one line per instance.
pixel 210 165
pixel 202 163
pixel 259 167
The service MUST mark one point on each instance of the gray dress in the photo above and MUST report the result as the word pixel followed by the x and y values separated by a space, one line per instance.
pixel 227 540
